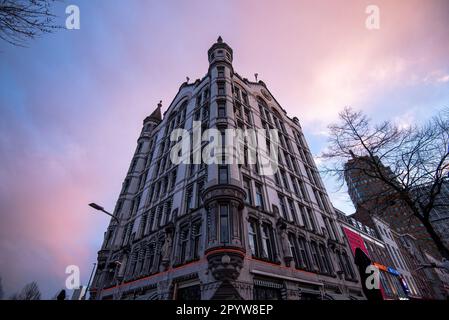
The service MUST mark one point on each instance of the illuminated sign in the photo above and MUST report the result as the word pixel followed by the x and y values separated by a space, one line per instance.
pixel 393 271
pixel 380 266
pixel 387 269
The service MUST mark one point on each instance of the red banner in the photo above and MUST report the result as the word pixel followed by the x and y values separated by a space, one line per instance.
pixel 355 241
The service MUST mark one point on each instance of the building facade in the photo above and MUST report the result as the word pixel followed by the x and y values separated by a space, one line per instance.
pixel 439 217
pixel 358 235
pixel 428 283
pixel 372 197
pixel 223 230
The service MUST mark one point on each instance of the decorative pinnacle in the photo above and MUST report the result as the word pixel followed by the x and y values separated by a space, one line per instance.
pixel 219 40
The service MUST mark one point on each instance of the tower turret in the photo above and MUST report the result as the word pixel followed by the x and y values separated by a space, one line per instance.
pixel 220 52
pixel 153 119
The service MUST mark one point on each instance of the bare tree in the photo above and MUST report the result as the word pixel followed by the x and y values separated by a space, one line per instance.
pixel 22 20
pixel 411 162
pixel 29 292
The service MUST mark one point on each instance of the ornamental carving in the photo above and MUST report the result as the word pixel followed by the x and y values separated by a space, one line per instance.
pixel 225 265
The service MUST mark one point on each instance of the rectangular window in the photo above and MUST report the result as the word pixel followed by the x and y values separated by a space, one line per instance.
pixel 183 241
pixel 262 114
pixel 151 220
pixel 245 98
pixel 126 185
pixel 304 217
pixel 247 115
pixel 221 88
pixel 245 157
pixel 224 224
pixel 287 160
pixel 311 220
pixel 223 147
pixel 221 109
pixel 223 174
pixel 329 229
pixel 284 180
pixel 173 179
pixel 142 226
pixel 316 257
pixel 295 185
pixel 324 258
pixel 276 179
pixel 318 199
pixel 252 233
pixel 220 72
pixel 267 243
pixel 199 191
pixel 259 196
pixel 196 234
pixel 238 109
pixel 160 212
pixel 139 147
pixel 348 266
pixel 205 113
pixel 189 195
pixel 168 207
pixel 303 190
pixel 292 210
pixel 294 250
pixel 133 165
pixel 237 93
pixel 284 211
pixel 247 187
pixel 304 253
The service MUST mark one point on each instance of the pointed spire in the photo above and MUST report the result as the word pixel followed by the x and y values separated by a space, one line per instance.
pixel 219 40
pixel 157 114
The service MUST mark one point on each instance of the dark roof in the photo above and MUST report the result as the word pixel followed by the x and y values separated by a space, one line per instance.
pixel 157 114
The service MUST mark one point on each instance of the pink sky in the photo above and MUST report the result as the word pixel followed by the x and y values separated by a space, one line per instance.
pixel 71 105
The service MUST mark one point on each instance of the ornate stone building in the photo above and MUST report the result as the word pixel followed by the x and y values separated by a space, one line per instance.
pixel 223 231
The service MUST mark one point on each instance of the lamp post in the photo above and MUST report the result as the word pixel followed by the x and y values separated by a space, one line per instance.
pixel 88 283
pixel 100 208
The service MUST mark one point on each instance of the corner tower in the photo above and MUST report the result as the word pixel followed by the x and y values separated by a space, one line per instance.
pixel 224 196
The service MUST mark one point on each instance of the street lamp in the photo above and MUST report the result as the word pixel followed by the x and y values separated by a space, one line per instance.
pixel 100 208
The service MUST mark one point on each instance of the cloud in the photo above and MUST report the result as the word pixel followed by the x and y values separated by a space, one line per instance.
pixel 71 105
